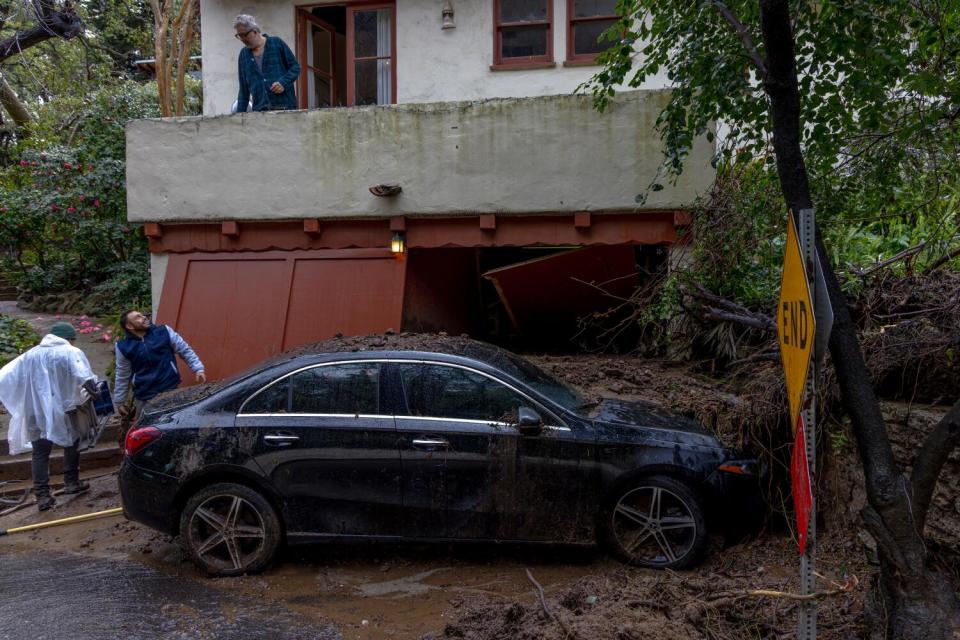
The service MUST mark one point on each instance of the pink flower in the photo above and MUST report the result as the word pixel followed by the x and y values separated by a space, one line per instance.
pixel 96 202
pixel 24 163
pixel 67 165
pixel 71 210
pixel 82 197
pixel 83 317
pixel 55 206
pixel 106 337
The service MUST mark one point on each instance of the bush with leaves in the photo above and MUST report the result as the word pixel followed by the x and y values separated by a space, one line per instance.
pixel 16 336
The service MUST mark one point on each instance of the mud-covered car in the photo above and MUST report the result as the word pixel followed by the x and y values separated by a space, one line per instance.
pixel 464 441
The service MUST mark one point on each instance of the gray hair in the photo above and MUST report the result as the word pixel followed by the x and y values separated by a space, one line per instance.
pixel 245 21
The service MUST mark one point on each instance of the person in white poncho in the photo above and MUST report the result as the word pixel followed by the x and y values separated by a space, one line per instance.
pixel 38 389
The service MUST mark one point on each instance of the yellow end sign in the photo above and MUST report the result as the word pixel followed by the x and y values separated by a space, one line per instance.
pixel 795 322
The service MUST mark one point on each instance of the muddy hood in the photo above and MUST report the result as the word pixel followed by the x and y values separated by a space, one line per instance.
pixel 625 413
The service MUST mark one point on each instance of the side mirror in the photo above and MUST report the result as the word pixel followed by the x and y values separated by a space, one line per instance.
pixel 529 422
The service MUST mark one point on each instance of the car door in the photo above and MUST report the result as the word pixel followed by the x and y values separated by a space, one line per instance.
pixel 467 470
pixel 328 450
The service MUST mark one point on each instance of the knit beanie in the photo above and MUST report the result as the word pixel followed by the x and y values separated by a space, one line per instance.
pixel 64 330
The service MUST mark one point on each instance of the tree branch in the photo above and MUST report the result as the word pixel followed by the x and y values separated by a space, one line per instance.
pixel 944 438
pixel 745 37
pixel 15 107
pixel 53 23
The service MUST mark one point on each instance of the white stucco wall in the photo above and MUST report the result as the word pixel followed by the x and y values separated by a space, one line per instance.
pixel 432 64
pixel 512 156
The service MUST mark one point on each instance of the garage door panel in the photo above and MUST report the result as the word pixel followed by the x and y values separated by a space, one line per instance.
pixel 351 297
pixel 236 310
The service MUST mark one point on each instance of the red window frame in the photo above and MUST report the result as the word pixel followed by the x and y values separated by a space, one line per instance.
pixel 525 62
pixel 304 18
pixel 303 11
pixel 352 8
pixel 572 21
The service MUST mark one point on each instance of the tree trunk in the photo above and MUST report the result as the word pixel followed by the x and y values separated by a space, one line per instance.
pixel 54 22
pixel 17 110
pixel 920 603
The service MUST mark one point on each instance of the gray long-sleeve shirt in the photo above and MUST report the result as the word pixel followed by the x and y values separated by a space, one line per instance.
pixel 121 384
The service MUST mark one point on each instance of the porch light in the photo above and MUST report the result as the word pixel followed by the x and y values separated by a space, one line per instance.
pixel 397 245
pixel 447 13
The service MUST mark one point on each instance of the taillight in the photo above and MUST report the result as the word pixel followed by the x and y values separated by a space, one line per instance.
pixel 139 438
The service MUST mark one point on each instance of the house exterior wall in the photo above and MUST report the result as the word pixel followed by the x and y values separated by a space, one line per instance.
pixel 433 64
pixel 517 156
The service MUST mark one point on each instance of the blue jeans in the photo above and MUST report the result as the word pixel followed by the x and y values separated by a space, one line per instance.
pixel 41 465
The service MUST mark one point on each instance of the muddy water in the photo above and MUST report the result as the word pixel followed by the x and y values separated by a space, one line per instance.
pixel 56 596
pixel 372 591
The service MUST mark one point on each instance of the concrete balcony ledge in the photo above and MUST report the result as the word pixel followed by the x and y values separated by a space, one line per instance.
pixel 519 156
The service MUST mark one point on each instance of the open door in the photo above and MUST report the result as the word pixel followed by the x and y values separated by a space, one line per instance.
pixel 318 73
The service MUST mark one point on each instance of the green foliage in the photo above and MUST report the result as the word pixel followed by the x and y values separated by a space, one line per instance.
pixel 16 336
pixel 63 206
pixel 868 71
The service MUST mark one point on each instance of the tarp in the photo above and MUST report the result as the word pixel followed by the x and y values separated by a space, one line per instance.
pixel 39 388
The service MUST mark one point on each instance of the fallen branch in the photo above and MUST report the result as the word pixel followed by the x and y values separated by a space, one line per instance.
pixel 567 631
pixel 850 585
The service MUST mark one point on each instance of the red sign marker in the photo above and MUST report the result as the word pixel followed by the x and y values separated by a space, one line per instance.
pixel 800 482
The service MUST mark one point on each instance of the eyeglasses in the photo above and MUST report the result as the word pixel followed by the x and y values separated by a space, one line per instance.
pixel 241 36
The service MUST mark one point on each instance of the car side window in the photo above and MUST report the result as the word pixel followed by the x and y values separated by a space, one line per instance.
pixel 342 388
pixel 438 391
pixel 272 399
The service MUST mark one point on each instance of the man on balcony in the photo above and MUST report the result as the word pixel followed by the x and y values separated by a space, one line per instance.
pixel 267 69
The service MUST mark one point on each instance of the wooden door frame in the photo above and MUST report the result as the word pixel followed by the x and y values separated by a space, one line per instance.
pixel 304 17
pixel 351 7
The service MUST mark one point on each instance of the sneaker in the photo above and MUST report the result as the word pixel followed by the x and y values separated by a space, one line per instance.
pixel 45 503
pixel 78 486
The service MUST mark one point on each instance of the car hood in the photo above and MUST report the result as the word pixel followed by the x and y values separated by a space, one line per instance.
pixel 644 415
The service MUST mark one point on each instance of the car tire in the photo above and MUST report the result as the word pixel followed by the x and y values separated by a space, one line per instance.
pixel 656 522
pixel 230 529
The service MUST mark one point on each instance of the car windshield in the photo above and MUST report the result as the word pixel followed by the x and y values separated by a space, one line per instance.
pixel 563 395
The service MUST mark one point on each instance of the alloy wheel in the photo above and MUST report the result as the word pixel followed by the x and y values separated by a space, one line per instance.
pixel 654 526
pixel 227 533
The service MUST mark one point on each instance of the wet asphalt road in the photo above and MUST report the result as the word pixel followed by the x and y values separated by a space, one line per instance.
pixel 60 597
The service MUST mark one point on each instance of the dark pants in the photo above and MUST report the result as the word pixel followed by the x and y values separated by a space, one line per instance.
pixel 41 465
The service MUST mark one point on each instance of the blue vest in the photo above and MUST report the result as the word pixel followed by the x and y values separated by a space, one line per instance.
pixel 152 362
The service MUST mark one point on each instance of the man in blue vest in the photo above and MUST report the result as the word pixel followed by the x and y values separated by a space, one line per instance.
pixel 146 356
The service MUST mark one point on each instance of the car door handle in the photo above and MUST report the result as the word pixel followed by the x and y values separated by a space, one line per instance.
pixel 428 444
pixel 280 439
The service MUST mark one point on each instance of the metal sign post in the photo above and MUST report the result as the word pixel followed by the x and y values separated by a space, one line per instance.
pixel 797 331
pixel 808 610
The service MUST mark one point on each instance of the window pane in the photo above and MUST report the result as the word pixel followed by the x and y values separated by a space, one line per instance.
pixel 521 42
pixel 448 392
pixel 373 82
pixel 319 90
pixel 348 388
pixel 588 8
pixel 321 49
pixel 371 33
pixel 523 10
pixel 585 36
pixel 273 399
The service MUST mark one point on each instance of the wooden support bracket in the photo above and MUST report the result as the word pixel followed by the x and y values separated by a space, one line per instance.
pixel 398 223
pixel 488 222
pixel 153 230
pixel 312 227
pixel 581 220
pixel 230 228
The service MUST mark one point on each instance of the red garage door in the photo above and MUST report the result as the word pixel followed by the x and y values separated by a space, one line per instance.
pixel 236 309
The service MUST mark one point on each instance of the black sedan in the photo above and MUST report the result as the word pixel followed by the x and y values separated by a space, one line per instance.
pixel 458 440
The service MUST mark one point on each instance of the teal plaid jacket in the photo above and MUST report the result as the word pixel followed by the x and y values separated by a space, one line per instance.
pixel 279 65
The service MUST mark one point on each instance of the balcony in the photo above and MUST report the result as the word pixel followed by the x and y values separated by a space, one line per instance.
pixel 523 156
